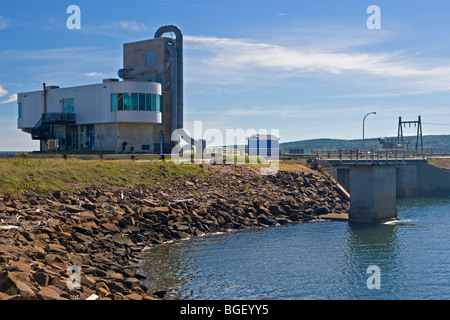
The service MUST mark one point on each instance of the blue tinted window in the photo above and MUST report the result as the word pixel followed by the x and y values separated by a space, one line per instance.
pixel 158 102
pixel 113 102
pixel 126 101
pixel 148 102
pixel 134 101
pixel 68 105
pixel 141 101
pixel 120 101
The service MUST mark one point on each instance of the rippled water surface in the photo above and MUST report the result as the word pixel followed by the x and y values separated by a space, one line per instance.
pixel 319 260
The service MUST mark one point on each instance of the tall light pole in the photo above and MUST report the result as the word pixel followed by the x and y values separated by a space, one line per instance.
pixel 364 121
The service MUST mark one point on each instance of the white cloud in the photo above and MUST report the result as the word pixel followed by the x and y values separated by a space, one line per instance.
pixel 95 74
pixel 240 60
pixel 130 25
pixel 3 92
pixel 272 111
pixel 236 53
pixel 3 23
pixel 11 98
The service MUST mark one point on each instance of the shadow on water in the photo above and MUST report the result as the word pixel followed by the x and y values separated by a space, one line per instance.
pixel 371 245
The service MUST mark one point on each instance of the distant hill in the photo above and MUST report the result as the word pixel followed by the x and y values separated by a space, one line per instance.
pixel 435 142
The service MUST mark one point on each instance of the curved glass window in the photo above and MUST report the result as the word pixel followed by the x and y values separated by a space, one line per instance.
pixel 114 102
pixel 118 101
pixel 142 101
pixel 156 103
pixel 135 102
pixel 148 102
pixel 126 101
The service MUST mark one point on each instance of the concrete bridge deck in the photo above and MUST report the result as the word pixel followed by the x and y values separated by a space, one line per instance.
pixel 375 179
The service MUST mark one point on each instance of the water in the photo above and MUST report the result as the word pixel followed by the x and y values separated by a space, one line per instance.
pixel 318 260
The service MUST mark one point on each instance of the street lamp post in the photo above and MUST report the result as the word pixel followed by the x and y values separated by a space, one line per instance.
pixel 364 121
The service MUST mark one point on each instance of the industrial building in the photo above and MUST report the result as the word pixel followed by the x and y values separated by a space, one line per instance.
pixel 263 145
pixel 135 114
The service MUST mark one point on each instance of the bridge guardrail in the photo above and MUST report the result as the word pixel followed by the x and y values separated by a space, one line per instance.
pixel 363 155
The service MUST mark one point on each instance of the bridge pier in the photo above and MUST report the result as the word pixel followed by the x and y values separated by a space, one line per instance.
pixel 373 193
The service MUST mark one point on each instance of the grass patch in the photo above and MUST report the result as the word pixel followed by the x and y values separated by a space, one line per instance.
pixel 20 175
pixel 440 162
pixel 24 175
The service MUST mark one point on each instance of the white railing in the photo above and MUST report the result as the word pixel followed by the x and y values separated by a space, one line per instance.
pixel 362 155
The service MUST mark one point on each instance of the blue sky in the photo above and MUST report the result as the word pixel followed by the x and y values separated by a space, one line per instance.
pixel 311 69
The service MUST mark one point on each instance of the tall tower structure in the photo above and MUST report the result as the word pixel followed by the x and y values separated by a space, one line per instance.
pixel 419 135
pixel 159 60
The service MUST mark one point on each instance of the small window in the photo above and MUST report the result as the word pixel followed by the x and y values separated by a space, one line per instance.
pixel 126 101
pixel 150 58
pixel 148 102
pixel 113 102
pixel 142 101
pixel 19 106
pixel 134 101
pixel 154 102
pixel 158 103
pixel 68 105
pixel 120 101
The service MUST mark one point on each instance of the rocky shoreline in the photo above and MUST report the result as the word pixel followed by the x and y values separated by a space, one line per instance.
pixel 102 231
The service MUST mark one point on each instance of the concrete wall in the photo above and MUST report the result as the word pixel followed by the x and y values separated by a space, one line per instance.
pixel 135 135
pixel 372 193
pixel 419 179
pixel 416 178
pixel 432 181
pixel 135 57
pixel 407 181
pixel 343 175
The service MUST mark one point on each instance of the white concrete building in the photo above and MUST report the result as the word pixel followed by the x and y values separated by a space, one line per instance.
pixel 114 115
pixel 137 114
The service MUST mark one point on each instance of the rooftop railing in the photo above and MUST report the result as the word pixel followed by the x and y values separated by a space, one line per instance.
pixel 58 117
